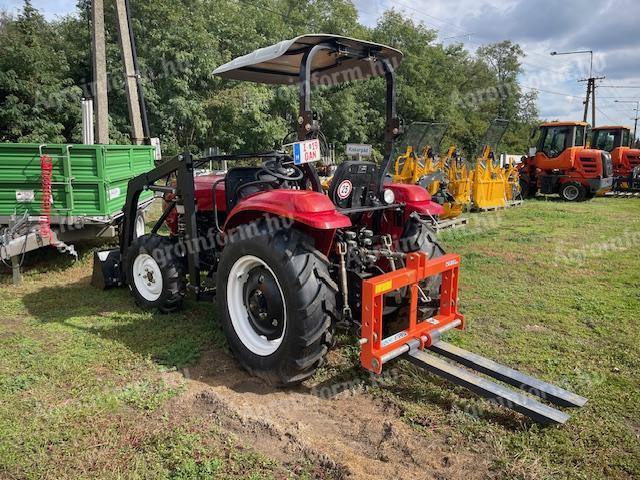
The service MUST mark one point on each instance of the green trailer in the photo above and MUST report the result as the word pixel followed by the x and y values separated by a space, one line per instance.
pixel 87 185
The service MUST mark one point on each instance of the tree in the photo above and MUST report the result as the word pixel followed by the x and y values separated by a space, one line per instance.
pixel 45 69
pixel 504 59
pixel 38 102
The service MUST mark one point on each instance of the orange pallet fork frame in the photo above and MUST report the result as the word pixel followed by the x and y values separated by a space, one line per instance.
pixel 376 351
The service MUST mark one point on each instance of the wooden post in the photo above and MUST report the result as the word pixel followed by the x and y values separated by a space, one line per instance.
pixel 131 84
pixel 100 73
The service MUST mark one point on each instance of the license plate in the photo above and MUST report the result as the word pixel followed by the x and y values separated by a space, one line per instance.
pixel 306 152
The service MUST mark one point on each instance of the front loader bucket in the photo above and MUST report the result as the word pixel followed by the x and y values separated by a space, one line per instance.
pixel 412 342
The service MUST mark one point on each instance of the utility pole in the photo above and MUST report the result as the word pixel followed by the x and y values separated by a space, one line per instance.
pixel 591 92
pixel 591 86
pixel 133 85
pixel 635 118
pixel 100 73
pixel 130 73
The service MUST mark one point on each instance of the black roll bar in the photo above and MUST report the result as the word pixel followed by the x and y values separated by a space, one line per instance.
pixel 305 117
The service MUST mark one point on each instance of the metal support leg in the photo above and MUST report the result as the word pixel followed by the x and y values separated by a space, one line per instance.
pixel 17 275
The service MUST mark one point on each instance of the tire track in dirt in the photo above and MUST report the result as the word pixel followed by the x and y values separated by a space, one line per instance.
pixel 350 435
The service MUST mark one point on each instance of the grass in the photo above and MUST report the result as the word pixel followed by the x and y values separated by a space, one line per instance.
pixel 550 288
pixel 84 390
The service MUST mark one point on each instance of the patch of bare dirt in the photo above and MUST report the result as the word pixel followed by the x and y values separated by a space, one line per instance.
pixel 348 435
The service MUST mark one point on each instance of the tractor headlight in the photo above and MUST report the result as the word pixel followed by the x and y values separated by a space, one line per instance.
pixel 388 196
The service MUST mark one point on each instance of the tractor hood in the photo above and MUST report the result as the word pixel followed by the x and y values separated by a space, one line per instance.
pixel 281 63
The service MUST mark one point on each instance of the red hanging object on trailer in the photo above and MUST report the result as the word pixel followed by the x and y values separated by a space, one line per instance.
pixel 46 167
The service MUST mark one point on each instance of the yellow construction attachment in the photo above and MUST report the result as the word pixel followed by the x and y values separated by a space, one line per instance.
pixel 512 179
pixel 459 183
pixel 489 186
pixel 435 177
pixel 408 168
pixel 430 168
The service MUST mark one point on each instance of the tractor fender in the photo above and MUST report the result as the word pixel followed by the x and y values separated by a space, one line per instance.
pixel 416 199
pixel 310 212
pixel 302 206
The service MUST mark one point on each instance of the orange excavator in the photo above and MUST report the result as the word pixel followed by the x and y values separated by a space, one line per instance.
pixel 626 160
pixel 561 163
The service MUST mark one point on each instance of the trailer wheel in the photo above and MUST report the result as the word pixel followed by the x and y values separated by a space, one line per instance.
pixel 155 274
pixel 276 303
pixel 572 192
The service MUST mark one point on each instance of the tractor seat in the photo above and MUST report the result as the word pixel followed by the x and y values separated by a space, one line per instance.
pixel 353 183
pixel 239 176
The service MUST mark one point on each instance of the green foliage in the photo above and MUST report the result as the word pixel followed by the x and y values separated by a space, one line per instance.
pixel 37 97
pixel 45 68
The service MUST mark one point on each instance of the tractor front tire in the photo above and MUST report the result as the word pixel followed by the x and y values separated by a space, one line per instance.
pixel 276 303
pixel 573 192
pixel 155 273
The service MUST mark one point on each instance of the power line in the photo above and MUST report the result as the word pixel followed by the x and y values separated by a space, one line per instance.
pixel 530 64
pixel 605 115
pixel 551 92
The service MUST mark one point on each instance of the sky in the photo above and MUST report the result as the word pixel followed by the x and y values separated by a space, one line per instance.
pixel 608 27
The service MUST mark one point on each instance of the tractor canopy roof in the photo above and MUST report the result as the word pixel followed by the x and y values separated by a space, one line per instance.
pixel 349 59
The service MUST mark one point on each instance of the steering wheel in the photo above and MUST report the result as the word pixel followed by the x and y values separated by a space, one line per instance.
pixel 276 169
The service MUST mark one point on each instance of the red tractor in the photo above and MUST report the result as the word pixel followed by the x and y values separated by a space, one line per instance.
pixel 562 164
pixel 626 160
pixel 288 264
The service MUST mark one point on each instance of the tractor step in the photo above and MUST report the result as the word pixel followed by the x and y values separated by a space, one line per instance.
pixel 500 394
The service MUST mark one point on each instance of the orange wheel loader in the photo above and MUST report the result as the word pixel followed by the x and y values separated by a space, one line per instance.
pixel 626 160
pixel 562 164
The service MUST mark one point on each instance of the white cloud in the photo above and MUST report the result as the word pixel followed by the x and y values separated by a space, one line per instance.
pixel 609 28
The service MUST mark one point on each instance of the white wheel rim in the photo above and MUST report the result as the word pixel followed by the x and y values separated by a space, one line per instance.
pixel 140 226
pixel 147 277
pixel 571 192
pixel 238 313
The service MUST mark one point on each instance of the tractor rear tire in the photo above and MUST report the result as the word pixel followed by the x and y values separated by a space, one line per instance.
pixel 573 192
pixel 155 273
pixel 276 303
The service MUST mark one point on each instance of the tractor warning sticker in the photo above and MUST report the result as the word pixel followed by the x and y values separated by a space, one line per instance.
pixel 384 287
pixel 344 189
pixel 307 151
